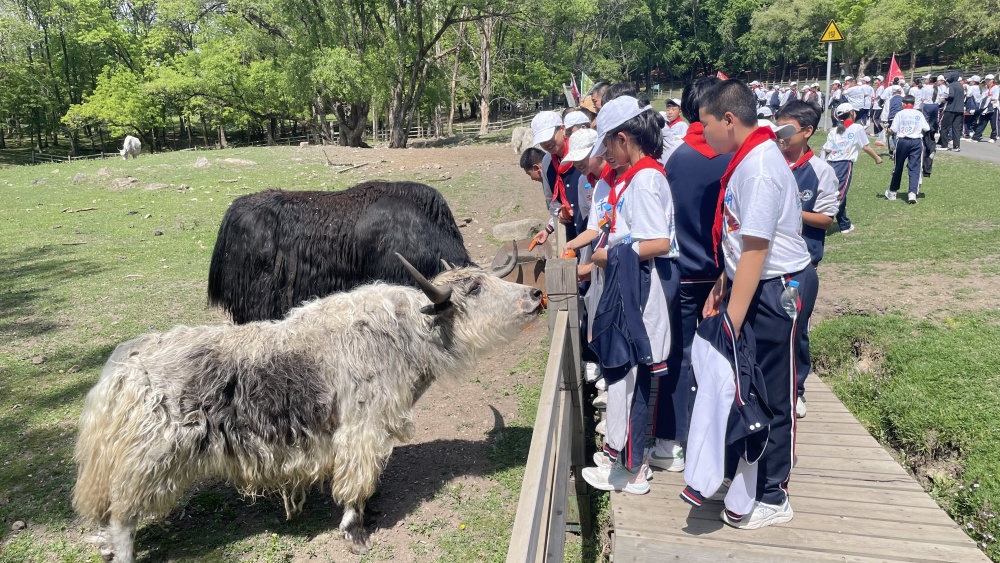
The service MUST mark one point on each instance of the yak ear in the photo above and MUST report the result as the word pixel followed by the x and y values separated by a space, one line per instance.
pixel 435 310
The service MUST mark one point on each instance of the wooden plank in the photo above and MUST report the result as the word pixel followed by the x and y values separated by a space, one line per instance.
pixel 789 537
pixel 631 547
pixel 804 450
pixel 905 515
pixel 524 540
pixel 803 438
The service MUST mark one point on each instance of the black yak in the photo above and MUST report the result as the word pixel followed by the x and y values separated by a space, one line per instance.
pixel 277 249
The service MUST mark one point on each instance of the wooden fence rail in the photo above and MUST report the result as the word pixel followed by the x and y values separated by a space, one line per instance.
pixel 553 494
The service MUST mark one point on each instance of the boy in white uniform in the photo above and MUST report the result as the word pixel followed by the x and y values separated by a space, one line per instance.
pixel 909 127
pixel 760 228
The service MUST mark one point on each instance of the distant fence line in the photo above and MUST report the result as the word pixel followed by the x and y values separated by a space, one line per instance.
pixel 418 132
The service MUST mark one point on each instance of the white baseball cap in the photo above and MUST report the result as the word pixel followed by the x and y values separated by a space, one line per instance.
pixel 575 118
pixel 848 78
pixel 896 88
pixel 865 79
pixel 673 101
pixel 989 77
pixel 845 108
pixel 941 77
pixel 755 83
pixel 880 78
pixel 836 82
pixel 815 85
pixel 764 111
pixel 612 115
pixel 783 132
pixel 975 78
pixel 544 125
pixel 581 143
pixel 927 77
pixel 792 84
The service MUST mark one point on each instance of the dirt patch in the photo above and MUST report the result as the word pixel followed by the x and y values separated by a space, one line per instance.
pixel 125 183
pixel 154 187
pixel 237 161
pixel 935 291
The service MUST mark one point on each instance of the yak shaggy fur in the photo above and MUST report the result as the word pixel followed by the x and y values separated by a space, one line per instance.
pixel 278 249
pixel 277 407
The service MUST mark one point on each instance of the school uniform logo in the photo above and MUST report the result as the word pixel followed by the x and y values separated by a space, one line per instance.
pixel 806 196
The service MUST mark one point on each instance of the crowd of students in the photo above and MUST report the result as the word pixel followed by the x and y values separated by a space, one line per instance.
pixel 724 218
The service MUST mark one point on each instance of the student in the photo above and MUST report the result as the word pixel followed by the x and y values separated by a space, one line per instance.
pixel 531 163
pixel 596 94
pixel 759 228
pixel 834 101
pixel 893 106
pixel 557 176
pixel 576 119
pixel 953 106
pixel 817 183
pixel 639 231
pixel 909 126
pixel 694 172
pixel 841 151
pixel 675 123
pixel 592 171
pixel 988 110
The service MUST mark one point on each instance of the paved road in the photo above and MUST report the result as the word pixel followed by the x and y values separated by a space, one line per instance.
pixel 990 152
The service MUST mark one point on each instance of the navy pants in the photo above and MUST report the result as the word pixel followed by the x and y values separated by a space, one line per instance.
pixel 673 395
pixel 911 151
pixel 876 116
pixel 775 334
pixel 984 120
pixel 844 170
pixel 803 362
pixel 931 112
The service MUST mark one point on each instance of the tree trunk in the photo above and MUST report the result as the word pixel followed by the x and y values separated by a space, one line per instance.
pixel 453 85
pixel 353 119
pixel 913 64
pixel 271 125
pixel 485 28
pixel 204 129
pixel 222 137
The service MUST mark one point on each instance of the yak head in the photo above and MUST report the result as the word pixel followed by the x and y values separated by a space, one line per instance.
pixel 478 306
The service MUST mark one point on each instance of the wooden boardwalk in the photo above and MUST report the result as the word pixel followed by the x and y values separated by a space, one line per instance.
pixel 852 503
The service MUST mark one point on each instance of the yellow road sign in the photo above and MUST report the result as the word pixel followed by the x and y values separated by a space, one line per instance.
pixel 832 33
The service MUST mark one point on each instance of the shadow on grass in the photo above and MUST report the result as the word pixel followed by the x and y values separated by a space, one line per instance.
pixel 27 278
pixel 215 520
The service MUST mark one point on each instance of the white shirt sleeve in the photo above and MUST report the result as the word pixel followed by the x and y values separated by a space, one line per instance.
pixel 760 207
pixel 828 193
pixel 584 197
pixel 861 135
pixel 650 207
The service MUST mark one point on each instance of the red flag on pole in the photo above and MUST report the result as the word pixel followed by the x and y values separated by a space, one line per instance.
pixel 721 76
pixel 893 71
pixel 576 92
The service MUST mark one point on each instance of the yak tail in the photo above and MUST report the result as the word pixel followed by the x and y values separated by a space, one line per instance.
pixel 98 429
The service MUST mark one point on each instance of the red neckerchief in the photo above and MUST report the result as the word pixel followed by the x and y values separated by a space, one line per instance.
pixel 907 106
pixel 695 138
pixel 646 162
pixel 759 136
pixel 672 123
pixel 848 123
pixel 604 172
pixel 802 161
pixel 559 190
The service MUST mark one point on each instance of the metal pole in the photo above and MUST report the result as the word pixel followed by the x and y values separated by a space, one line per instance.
pixel 829 91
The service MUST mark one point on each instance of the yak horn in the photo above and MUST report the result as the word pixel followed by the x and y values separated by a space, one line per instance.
pixel 502 273
pixel 446 265
pixel 434 293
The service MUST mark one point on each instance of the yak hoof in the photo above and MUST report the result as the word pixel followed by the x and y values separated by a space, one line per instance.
pixel 359 540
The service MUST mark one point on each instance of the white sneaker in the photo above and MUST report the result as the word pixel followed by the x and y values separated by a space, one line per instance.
pixel 763 515
pixel 911 198
pixel 800 408
pixel 601 401
pixel 601 384
pixel 602 427
pixel 667 455
pixel 601 460
pixel 889 195
pixel 991 141
pixel 849 230
pixel 591 372
pixel 617 478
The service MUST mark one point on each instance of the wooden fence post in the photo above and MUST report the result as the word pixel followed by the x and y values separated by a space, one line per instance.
pixel 562 289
